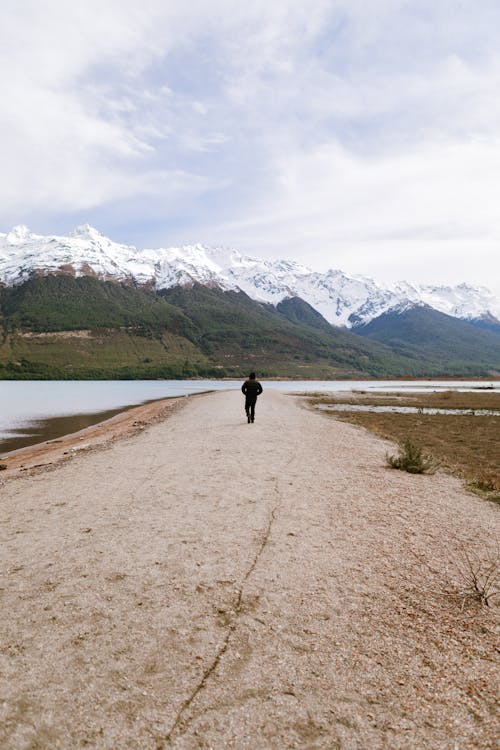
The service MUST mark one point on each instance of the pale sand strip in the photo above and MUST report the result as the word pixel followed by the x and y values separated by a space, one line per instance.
pixel 208 583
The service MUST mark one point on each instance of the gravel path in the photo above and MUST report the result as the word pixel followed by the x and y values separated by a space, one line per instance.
pixel 213 584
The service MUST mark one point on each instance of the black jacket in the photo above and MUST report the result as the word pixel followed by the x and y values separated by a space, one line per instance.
pixel 251 389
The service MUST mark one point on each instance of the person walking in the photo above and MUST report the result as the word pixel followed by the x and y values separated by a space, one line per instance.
pixel 251 388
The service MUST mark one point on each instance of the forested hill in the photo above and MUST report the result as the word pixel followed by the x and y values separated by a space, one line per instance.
pixel 58 326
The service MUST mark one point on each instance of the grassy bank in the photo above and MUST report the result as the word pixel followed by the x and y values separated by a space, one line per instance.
pixel 467 445
pixel 118 354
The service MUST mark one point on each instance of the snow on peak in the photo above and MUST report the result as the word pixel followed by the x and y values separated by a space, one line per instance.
pixel 18 234
pixel 84 231
pixel 343 299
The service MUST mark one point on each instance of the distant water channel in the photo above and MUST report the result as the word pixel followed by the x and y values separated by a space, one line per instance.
pixel 409 410
pixel 34 411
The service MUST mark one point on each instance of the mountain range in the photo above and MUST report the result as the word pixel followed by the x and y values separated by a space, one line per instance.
pixel 84 306
pixel 342 299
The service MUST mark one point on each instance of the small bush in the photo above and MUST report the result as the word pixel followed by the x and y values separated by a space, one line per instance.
pixel 3 467
pixel 412 459
pixel 480 579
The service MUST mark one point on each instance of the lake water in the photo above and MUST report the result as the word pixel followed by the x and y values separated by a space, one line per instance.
pixel 34 411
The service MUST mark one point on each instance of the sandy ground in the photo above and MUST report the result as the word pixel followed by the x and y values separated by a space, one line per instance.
pixel 206 583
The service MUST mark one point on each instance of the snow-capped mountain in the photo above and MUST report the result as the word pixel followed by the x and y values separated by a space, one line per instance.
pixel 343 299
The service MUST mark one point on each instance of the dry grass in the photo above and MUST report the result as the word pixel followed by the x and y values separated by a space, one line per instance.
pixel 479 579
pixel 466 445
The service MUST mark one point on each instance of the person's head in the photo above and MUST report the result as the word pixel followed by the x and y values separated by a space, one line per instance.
pixel 251 376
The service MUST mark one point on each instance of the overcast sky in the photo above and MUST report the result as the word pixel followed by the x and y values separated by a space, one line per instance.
pixel 354 134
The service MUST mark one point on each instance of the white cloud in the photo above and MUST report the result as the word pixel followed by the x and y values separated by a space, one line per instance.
pixel 70 141
pixel 63 145
pixel 366 133
pixel 432 210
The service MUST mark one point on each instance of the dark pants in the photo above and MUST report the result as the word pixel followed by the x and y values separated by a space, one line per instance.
pixel 250 407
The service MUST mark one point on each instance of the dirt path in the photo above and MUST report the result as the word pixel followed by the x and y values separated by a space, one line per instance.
pixel 212 584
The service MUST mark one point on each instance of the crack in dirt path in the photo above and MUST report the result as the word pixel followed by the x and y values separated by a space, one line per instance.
pixel 231 626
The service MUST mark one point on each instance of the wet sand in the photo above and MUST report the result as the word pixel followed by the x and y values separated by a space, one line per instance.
pixel 205 583
pixel 104 433
pixel 54 428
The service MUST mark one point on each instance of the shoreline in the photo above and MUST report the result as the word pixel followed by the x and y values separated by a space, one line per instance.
pixel 126 423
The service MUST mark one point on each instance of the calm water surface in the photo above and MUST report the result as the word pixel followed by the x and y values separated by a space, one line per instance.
pixel 34 411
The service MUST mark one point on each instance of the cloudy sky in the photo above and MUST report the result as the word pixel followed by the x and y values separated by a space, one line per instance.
pixel 354 134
